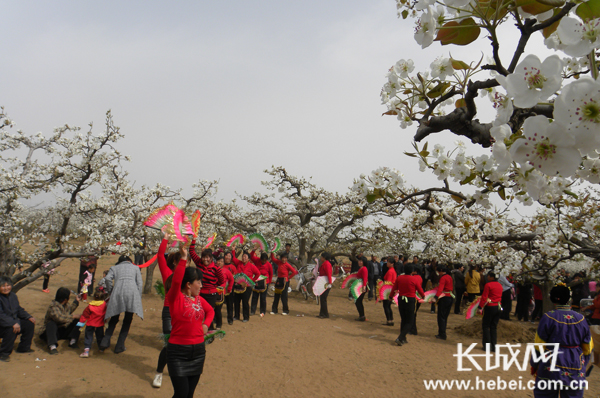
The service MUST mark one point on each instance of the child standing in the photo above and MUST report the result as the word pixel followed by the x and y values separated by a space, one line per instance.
pixel 89 276
pixel 94 316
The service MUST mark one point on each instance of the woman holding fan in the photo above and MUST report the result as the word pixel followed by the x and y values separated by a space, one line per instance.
pixel 191 316
pixel 284 273
pixel 242 293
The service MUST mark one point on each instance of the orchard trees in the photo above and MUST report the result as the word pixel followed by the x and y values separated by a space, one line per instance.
pixel 93 204
pixel 544 139
pixel 299 211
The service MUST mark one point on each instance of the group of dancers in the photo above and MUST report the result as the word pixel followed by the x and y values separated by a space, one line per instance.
pixel 196 295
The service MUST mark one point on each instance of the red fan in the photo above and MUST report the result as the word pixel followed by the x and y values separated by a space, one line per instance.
pixel 348 281
pixel 384 291
pixel 243 279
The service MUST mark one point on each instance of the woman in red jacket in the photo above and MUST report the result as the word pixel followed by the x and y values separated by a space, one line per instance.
pixel 362 274
pixel 325 270
pixel 242 294
pixel 190 317
pixel 284 273
pixel 390 276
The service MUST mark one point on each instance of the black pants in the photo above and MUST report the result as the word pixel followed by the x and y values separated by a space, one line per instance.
pixel 323 304
pixel 244 299
pixel 523 308
pixel 211 298
pixel 538 310
pixel 166 328
pixel 284 300
pixel 112 323
pixel 184 386
pixel 413 329
pixel 491 316
pixel 53 332
pixel 88 337
pixel 229 306
pixel 506 305
pixel 46 282
pixel 444 307
pixel 459 297
pixel 387 309
pixel 263 302
pixel 371 282
pixel 8 337
pixel 407 315
pixel 359 305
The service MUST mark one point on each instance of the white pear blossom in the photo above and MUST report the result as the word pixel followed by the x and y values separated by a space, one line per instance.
pixel 590 170
pixel 578 108
pixel 441 68
pixel 549 147
pixel 533 81
pixel 579 37
pixel 404 67
pixel 425 29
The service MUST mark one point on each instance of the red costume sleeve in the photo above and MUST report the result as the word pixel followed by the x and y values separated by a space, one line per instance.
pixel 176 281
pixel 195 258
pixel 164 269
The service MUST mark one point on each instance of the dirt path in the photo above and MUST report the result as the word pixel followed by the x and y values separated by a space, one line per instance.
pixel 282 356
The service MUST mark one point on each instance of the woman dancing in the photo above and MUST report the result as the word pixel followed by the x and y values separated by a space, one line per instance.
pixel 390 276
pixel 364 275
pixel 242 294
pixel 191 316
pixel 284 273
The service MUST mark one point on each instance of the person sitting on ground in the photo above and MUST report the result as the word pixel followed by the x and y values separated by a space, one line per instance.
pixel 14 320
pixel 59 322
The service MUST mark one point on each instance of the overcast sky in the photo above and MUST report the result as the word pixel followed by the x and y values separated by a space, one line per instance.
pixel 219 90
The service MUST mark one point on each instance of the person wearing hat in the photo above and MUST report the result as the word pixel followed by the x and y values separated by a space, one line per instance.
pixel 569 329
pixel 125 296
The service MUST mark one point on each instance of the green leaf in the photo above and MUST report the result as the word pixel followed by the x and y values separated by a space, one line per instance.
pixel 371 197
pixel 412 155
pixel 468 179
pixel 589 10
pixel 552 28
pixel 456 64
pixel 457 198
pixel 573 194
pixel 424 153
pixel 438 90
pixel 425 146
pixel 460 34
pixel 390 112
pixel 404 14
pixel 461 103
pixel 502 193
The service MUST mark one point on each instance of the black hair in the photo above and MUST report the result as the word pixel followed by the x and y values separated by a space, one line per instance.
pixel 123 258
pixel 264 256
pixel 191 275
pixel 219 258
pixel 326 255
pixel 283 255
pixel 4 280
pixel 491 274
pixel 288 244
pixel 391 259
pixel 560 294
pixel 99 294
pixel 408 269
pixel 173 260
pixel 206 253
pixel 168 282
pixel 246 253
pixel 62 294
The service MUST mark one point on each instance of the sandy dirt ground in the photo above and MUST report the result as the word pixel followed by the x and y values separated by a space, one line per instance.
pixel 282 356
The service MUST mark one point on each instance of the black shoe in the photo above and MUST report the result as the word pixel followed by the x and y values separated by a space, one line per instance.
pixel 53 351
pixel 244 321
pixel 74 346
pixel 253 313
pixel 404 341
pixel 433 312
pixel 413 333
pixel 24 351
pixel 5 358
pixel 235 318
pixel 119 350
pixel 437 336
pixel 322 316
pixel 398 342
pixel 361 319
pixel 230 322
